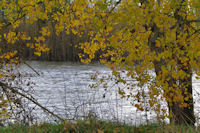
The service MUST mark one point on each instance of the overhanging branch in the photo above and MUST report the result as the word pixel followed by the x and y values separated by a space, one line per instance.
pixel 5 86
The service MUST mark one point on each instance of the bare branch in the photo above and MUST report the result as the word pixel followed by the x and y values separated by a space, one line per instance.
pixel 32 68
pixel 5 86
pixel 116 4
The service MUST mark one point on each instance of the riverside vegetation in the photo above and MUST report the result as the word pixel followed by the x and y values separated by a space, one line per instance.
pixel 131 37
pixel 97 126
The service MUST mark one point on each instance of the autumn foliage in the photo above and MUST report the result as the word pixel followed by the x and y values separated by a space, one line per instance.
pixel 135 38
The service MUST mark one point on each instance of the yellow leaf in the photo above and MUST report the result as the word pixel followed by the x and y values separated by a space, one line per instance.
pixel 37 53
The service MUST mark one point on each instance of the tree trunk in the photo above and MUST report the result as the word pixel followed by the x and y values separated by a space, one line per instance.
pixel 180 115
pixel 183 115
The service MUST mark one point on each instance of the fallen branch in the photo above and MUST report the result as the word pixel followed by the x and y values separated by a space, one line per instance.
pixel 5 86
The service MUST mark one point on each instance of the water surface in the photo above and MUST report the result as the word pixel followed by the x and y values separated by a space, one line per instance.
pixel 64 89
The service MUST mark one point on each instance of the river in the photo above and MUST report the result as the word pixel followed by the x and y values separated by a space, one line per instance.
pixel 63 88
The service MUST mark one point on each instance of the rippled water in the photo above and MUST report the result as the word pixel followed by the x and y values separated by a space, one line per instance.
pixel 64 89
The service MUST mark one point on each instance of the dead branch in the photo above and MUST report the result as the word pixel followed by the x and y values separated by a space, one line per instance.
pixel 5 86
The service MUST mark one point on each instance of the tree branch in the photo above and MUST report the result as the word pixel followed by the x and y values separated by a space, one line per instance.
pixel 5 86
pixel 116 4
pixel 31 68
pixel 195 20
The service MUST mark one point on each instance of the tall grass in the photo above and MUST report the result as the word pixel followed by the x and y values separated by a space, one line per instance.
pixel 97 126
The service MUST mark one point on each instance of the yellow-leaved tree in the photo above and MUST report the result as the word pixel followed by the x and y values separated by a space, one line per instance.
pixel 138 37
pixel 13 41
pixel 131 37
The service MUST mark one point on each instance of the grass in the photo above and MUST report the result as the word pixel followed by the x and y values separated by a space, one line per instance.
pixel 96 126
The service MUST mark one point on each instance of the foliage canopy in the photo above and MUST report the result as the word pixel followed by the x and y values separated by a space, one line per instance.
pixel 134 37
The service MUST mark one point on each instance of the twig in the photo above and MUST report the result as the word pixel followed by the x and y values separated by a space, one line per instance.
pixel 30 99
pixel 32 68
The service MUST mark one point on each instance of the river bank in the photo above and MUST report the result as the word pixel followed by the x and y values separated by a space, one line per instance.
pixel 96 126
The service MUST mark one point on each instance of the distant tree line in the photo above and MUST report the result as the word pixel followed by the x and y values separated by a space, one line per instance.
pixel 62 46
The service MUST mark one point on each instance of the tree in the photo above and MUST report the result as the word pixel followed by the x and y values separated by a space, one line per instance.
pixel 12 43
pixel 163 36
pixel 134 37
